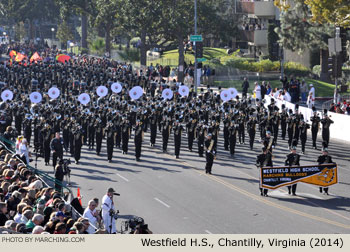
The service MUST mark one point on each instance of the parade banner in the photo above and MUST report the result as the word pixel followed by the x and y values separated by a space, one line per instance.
pixel 321 175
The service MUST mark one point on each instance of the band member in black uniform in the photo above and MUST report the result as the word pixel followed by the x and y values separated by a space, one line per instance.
pixel 78 142
pixel 201 132
pixel 293 159
pixel 290 128
pixel 71 136
pixel 27 128
pixel 166 128
pixel 226 131
pixel 233 129
pixel 110 136
pixel 153 127
pixel 56 147
pixel 264 160
pixel 315 125
pixel 191 127
pixel 324 159
pixel 177 137
pixel 126 131
pixel 303 127
pixel 210 153
pixel 241 131
pixel 91 133
pixel 284 116
pixel 138 139
pixel 46 140
pixel 251 128
pixel 66 126
pixel 326 123
pixel 118 136
pixel 99 135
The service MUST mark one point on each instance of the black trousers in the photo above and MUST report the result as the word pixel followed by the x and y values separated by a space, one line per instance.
pixel 91 141
pixel 125 143
pixel 98 143
pixel 209 164
pixel 241 135
pixel 314 133
pixel 293 187
pixel 110 145
pixel 226 137
pixel 47 151
pixel 153 133
pixel 325 136
pixel 190 140
pixel 200 147
pixel 303 143
pixel 77 151
pixel 55 156
pixel 232 145
pixel 251 139
pixel 284 129
pixel 177 141
pixel 138 145
pixel 165 141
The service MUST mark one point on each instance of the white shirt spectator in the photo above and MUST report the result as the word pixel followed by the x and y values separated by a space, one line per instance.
pixel 107 205
pixel 89 214
pixel 17 218
pixel 23 150
pixel 257 91
pixel 311 97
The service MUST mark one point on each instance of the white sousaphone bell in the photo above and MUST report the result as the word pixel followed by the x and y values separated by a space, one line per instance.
pixel 136 92
pixel 54 93
pixel 6 95
pixel 102 91
pixel 184 90
pixel 233 92
pixel 167 94
pixel 84 98
pixel 35 97
pixel 116 87
pixel 225 95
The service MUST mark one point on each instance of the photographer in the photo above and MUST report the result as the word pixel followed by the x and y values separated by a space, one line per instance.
pixel 108 211
pixel 59 175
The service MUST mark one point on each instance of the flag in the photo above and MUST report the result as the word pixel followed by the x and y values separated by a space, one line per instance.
pixel 20 57
pixel 13 53
pixel 79 196
pixel 35 57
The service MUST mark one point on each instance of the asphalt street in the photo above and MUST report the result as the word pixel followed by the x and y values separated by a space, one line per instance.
pixel 176 196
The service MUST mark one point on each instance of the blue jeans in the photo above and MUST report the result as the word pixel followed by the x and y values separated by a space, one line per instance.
pixel 303 96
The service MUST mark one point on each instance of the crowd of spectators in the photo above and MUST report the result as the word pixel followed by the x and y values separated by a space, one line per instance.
pixel 341 107
pixel 27 206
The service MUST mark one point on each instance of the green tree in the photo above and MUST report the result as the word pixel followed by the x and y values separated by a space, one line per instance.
pixel 29 11
pixel 84 8
pixel 336 12
pixel 298 32
pixel 107 18
pixel 64 33
pixel 145 18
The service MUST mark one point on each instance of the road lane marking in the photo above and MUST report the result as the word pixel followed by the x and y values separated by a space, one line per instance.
pixel 122 177
pixel 161 202
pixel 208 232
pixel 268 202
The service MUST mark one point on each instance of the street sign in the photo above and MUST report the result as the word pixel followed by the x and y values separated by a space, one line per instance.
pixel 334 45
pixel 195 38
pixel 201 59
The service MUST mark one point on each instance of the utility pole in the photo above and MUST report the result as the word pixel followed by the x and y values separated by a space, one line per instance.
pixel 337 36
pixel 195 56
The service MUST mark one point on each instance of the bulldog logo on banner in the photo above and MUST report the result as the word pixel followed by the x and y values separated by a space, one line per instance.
pixel 321 175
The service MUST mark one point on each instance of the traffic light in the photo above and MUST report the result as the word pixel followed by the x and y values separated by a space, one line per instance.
pixel 330 66
pixel 199 49
pixel 335 66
